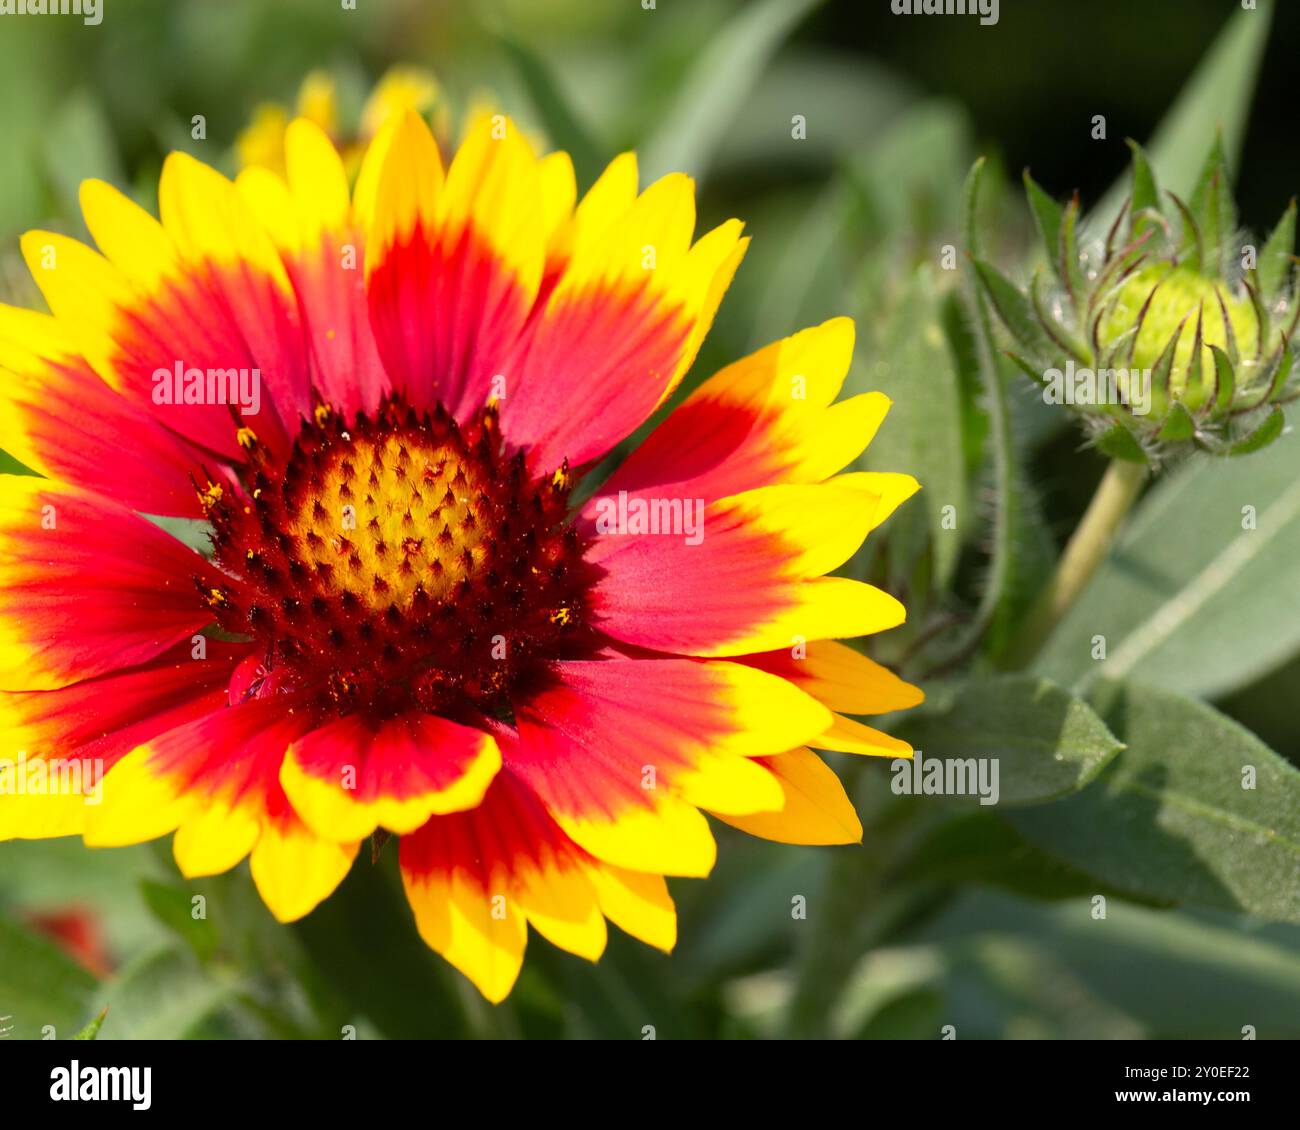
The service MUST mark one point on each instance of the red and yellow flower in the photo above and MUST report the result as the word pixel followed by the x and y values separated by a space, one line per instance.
pixel 407 624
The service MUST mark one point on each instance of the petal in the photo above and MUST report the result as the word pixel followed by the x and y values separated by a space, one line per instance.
pixel 87 587
pixel 637 903
pixel 742 575
pixel 621 325
pixel 93 723
pixel 474 877
pixel 849 736
pixel 620 748
pixel 322 242
pixel 316 178
pixel 549 874
pixel 454 264
pixel 295 869
pixel 59 418
pixel 816 810
pixel 218 237
pixel 664 835
pixel 729 784
pixel 766 419
pixel 349 778
pixel 203 291
pixel 892 488
pixel 842 678
pixel 216 837
pixel 214 780
pixel 462 906
pixel 559 193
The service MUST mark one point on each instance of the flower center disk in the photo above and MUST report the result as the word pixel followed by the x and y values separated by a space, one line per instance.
pixel 398 561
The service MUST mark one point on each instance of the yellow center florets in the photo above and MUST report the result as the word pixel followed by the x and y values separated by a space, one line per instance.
pixel 391 517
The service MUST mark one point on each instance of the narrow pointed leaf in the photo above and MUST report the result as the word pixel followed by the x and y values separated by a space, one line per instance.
pixel 1277 256
pixel 718 83
pixel 1047 216
pixel 1144 196
pixel 1013 308
pixel 91 1030
pixel 566 131
pixel 1225 381
pixel 1262 436
pixel 1070 270
pixel 1178 425
pixel 1192 596
pixel 1120 443
pixel 1213 207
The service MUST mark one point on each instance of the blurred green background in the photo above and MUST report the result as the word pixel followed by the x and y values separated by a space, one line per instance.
pixel 948 916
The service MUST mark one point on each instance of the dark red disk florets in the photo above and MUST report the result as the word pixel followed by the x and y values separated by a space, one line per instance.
pixel 399 560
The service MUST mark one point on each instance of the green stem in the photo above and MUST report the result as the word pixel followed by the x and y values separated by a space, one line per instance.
pixel 842 912
pixel 828 958
pixel 994 378
pixel 1091 541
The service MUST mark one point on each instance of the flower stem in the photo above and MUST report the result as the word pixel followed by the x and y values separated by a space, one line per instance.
pixel 1091 541
pixel 845 917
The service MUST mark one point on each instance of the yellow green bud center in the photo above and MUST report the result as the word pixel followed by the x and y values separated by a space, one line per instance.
pixel 1180 293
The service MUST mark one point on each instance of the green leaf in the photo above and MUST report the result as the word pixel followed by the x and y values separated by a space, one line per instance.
pixel 91 1030
pixel 40 985
pixel 1069 268
pixel 1173 818
pixel 911 176
pixel 1278 255
pixel 631 987
pixel 173 906
pixel 923 432
pixel 959 329
pixel 164 995
pixel 733 928
pixel 1178 425
pixel 10 466
pixel 78 145
pixel 364 944
pixel 914 1015
pixel 718 82
pixel 1046 742
pixel 1199 593
pixel 1218 94
pixel 50 875
pixel 1062 338
pixel 1265 433
pixel 809 277
pixel 193 532
pixel 1047 217
pixel 848 100
pixel 1213 208
pixel 29 76
pixel 1144 195
pixel 1119 443
pixel 980 847
pixel 1225 381
pixel 1013 308
pixel 564 128
pixel 1021 549
pixel 1154 973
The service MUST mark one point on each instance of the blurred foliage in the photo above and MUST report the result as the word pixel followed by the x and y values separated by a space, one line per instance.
pixel 950 914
